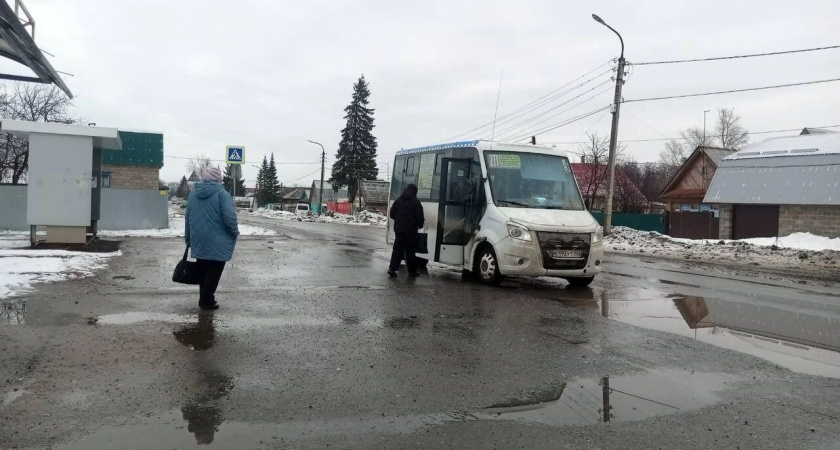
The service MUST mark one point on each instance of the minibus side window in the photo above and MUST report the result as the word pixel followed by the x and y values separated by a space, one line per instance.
pixel 396 180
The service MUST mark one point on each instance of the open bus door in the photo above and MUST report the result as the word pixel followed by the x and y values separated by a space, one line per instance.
pixel 455 217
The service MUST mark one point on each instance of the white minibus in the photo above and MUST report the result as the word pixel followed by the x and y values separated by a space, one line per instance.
pixel 498 209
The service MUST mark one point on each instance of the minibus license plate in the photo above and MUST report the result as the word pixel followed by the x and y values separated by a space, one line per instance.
pixel 562 254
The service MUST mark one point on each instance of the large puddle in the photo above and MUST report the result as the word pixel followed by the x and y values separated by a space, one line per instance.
pixel 800 339
pixel 203 420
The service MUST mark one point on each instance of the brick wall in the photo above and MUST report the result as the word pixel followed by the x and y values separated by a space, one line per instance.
pixel 725 212
pixel 822 220
pixel 133 177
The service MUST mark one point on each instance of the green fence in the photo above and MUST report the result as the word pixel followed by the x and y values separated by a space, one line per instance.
pixel 644 222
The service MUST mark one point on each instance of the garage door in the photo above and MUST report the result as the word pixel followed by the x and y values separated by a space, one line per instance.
pixel 750 221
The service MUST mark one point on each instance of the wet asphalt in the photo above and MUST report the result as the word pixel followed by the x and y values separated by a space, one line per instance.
pixel 314 347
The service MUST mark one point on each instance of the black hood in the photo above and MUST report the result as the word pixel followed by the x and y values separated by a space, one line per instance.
pixel 409 193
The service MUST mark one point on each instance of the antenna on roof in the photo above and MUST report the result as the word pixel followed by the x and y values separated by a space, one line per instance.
pixel 496 114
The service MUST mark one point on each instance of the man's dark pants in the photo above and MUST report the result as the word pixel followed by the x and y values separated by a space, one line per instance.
pixel 404 248
pixel 211 274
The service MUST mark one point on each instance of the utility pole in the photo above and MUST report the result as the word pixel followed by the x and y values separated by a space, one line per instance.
pixel 321 190
pixel 619 82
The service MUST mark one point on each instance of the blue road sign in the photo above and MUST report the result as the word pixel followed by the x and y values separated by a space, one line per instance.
pixel 235 154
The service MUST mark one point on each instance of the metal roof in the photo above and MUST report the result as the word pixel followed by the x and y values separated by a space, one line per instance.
pixel 788 146
pixel 375 192
pixel 798 170
pixel 717 154
pixel 16 44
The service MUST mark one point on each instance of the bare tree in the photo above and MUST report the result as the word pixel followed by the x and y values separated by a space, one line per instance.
pixel 199 164
pixel 34 103
pixel 628 180
pixel 594 155
pixel 729 131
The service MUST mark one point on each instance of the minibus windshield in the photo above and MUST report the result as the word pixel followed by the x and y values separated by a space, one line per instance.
pixel 532 180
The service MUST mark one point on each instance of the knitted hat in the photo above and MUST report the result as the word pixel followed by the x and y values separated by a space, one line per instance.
pixel 212 174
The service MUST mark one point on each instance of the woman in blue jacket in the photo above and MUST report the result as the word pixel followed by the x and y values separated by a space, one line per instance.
pixel 211 231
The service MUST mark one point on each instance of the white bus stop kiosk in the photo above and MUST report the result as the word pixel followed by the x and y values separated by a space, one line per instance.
pixel 65 166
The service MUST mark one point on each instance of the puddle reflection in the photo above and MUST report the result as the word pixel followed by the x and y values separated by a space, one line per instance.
pixel 801 340
pixel 616 399
pixel 13 312
pixel 202 409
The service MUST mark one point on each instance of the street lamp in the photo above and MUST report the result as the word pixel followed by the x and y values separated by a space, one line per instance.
pixel 321 190
pixel 619 82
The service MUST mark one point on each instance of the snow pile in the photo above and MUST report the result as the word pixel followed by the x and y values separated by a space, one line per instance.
pixel 794 251
pixel 273 214
pixel 366 218
pixel 176 229
pixel 801 241
pixel 21 269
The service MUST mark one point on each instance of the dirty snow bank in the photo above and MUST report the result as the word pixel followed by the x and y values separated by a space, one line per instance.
pixel 365 218
pixel 21 269
pixel 176 229
pixel 798 251
pixel 800 241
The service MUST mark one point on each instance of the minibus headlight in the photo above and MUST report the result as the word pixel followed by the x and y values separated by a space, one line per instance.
pixel 517 231
pixel 598 236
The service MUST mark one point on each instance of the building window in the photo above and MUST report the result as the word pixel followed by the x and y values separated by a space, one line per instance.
pixel 106 179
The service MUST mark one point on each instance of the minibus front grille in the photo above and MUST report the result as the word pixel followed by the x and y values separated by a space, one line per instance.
pixel 563 251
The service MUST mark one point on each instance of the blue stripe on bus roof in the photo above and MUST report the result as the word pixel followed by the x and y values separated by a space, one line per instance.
pixel 432 148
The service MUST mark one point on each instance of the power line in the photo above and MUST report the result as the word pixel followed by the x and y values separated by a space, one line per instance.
pixel 511 129
pixel 680 137
pixel 528 132
pixel 731 91
pixel 581 117
pixel 533 103
pixel 753 55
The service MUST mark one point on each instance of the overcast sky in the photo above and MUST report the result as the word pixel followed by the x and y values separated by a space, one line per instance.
pixel 269 75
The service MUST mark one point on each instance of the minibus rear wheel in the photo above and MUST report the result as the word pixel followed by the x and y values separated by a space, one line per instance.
pixel 488 267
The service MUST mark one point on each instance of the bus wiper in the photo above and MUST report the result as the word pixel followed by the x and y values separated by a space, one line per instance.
pixel 515 203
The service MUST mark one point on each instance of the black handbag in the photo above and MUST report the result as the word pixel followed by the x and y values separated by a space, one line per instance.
pixel 421 243
pixel 187 272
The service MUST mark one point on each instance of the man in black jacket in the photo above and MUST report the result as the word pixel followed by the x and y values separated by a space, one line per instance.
pixel 407 213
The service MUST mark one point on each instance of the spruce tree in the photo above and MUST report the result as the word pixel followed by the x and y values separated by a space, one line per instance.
pixel 183 189
pixel 262 191
pixel 356 156
pixel 272 185
pixel 232 172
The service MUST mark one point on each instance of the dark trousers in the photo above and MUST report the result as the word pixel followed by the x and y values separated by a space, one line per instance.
pixel 404 248
pixel 211 274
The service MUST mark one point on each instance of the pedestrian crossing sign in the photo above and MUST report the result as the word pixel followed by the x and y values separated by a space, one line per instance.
pixel 235 154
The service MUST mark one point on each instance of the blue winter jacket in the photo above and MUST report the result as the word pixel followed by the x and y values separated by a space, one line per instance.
pixel 211 226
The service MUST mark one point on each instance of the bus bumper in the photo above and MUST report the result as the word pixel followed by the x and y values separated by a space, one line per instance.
pixel 524 259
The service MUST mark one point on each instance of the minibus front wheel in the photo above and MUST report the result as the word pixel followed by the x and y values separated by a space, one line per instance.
pixel 488 266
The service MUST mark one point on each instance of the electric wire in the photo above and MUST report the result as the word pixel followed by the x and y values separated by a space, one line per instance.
pixel 527 132
pixel 567 122
pixel 528 105
pixel 680 137
pixel 669 97
pixel 719 58
pixel 510 129
pixel 505 121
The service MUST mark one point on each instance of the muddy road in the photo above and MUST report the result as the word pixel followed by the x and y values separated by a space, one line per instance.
pixel 315 347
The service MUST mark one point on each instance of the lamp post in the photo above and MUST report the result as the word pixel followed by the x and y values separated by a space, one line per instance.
pixel 321 190
pixel 619 82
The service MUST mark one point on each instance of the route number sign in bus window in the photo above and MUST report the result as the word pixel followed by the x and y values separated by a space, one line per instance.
pixel 505 161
